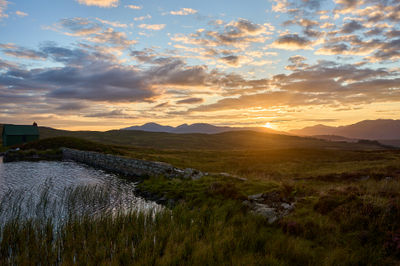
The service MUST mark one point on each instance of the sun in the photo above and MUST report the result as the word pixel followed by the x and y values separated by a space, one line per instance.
pixel 268 125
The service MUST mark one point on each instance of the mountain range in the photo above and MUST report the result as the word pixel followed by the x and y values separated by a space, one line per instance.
pixel 381 129
pixel 197 128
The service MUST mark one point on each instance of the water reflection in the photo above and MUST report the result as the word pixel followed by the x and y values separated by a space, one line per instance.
pixel 59 189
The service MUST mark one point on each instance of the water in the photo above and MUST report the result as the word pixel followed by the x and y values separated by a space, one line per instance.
pixel 54 189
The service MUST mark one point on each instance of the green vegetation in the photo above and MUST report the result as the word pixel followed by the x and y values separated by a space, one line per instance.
pixel 72 143
pixel 347 209
pixel 268 164
pixel 33 155
pixel 345 226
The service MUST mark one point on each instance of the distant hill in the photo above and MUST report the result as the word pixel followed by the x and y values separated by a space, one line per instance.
pixel 232 140
pixel 197 128
pixel 334 138
pixel 151 127
pixel 381 129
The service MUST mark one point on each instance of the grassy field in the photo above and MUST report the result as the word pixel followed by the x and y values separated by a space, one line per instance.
pixel 239 140
pixel 347 205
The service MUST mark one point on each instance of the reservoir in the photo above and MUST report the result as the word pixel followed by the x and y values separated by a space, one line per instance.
pixel 57 189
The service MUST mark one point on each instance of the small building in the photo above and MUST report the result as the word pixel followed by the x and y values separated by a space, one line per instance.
pixel 18 134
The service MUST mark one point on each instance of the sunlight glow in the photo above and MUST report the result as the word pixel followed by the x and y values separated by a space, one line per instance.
pixel 268 125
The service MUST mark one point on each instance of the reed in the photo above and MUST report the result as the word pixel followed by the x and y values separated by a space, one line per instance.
pixel 216 231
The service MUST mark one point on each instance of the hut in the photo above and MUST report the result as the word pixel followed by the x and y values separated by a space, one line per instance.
pixel 18 134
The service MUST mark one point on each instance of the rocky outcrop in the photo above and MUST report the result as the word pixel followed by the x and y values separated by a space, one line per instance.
pixel 129 166
pixel 269 205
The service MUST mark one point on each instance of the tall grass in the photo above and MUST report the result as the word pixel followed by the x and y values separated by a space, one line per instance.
pixel 218 231
pixel 205 236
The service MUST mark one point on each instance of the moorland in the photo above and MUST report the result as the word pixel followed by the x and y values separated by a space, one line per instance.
pixel 346 199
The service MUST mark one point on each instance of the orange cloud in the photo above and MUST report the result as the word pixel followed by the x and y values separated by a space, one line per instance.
pixel 152 26
pixel 100 3
pixel 184 12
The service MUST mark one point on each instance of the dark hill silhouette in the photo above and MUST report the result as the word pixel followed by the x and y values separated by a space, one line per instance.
pixel 197 128
pixel 151 127
pixel 381 129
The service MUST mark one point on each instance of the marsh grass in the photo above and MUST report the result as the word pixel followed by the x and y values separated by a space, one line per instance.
pixel 184 235
pixel 347 225
pixel 347 213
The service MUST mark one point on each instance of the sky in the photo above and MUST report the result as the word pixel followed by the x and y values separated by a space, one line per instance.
pixel 109 64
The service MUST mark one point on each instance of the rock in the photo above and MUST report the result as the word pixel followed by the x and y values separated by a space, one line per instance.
pixel 256 197
pixel 161 200
pixel 287 206
pixel 233 176
pixel 188 172
pixel 270 205
pixel 225 174
pixel 197 176
pixel 267 212
pixel 193 174
pixel 129 166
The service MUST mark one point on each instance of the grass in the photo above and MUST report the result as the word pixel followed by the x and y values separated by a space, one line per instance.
pixel 268 164
pixel 228 141
pixel 336 229
pixel 347 212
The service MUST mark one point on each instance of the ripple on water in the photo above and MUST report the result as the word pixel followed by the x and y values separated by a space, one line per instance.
pixel 65 184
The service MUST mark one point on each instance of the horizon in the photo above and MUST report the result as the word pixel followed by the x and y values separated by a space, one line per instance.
pixel 266 127
pixel 281 64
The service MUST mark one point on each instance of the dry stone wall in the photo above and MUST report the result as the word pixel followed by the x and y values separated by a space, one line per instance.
pixel 128 166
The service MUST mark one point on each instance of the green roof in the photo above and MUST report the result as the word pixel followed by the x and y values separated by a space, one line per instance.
pixel 20 130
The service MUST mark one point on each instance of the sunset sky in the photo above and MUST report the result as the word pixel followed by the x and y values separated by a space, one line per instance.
pixel 109 64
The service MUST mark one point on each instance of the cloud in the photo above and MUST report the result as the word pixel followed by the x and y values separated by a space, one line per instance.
pixel 118 113
pixel 21 14
pixel 103 80
pixel 239 34
pixel 292 42
pixel 297 62
pixel 21 52
pixel 231 60
pixel 95 32
pixel 323 84
pixel 374 31
pixel 7 65
pixel 152 26
pixel 190 101
pixel 145 56
pixel 347 6
pixel 115 24
pixel 133 7
pixel 280 5
pixel 393 34
pixel 80 26
pixel 99 83
pixel 389 51
pixel 100 3
pixel 142 18
pixel 184 12
pixel 3 7
pixel 71 106
pixel 110 36
pixel 351 27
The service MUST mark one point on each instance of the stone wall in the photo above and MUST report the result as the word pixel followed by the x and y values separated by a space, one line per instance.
pixel 128 166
